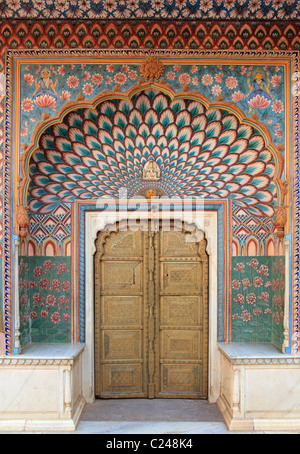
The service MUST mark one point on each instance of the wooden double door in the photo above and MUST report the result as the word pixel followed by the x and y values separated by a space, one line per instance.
pixel 151 313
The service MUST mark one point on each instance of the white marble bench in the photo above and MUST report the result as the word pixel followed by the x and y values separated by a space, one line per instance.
pixel 41 389
pixel 260 387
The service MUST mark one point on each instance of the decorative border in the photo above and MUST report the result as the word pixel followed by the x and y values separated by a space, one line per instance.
pixel 151 9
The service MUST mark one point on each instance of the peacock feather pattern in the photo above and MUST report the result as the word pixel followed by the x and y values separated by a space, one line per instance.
pixel 96 153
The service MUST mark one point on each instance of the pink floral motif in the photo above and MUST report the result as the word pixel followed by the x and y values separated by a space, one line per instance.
pixel 120 78
pixel 27 104
pixel 38 271
pixel 45 101
pixel 37 298
pixel 55 285
pixel 44 283
pixel 257 311
pixel 237 96
pixel 207 79
pixel 216 90
pixel 245 316
pixel 219 77
pixel 62 300
pixel 231 82
pixel 195 80
pixel 61 70
pixel 253 263
pixel 32 284
pixel 88 89
pixel 277 106
pixel 66 317
pixel 239 267
pixel 33 315
pixel 268 311
pixel 73 81
pixel 246 283
pixel 236 284
pixel 55 317
pixel 278 133
pixel 259 102
pixel 65 286
pixel 171 75
pixel 177 68
pixel 184 78
pixel 257 281
pixel 44 314
pixel 50 300
pixel 264 296
pixel 132 75
pixel 110 68
pixel 251 298
pixel 276 79
pixel 194 69
pixel 65 95
pixel 62 268
pixel 48 265
pixel 264 270
pixel 239 298
pixel 86 75
pixel 29 79
pixel 97 79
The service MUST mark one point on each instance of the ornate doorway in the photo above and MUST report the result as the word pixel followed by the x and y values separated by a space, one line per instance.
pixel 151 313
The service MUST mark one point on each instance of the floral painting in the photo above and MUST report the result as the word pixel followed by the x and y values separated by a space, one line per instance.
pixel 45 299
pixel 255 89
pixel 257 308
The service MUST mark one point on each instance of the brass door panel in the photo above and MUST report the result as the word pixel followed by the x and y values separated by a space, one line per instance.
pixel 151 314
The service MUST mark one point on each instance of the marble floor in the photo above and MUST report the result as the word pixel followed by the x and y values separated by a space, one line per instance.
pixel 147 416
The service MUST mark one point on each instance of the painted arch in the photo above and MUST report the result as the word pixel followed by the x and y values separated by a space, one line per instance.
pixel 94 150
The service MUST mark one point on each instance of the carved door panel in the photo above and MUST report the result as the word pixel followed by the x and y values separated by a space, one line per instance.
pixel 120 320
pixel 151 314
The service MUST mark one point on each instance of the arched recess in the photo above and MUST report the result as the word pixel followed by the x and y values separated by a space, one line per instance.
pixel 204 149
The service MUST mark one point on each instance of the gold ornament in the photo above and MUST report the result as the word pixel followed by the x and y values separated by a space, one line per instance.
pixel 152 69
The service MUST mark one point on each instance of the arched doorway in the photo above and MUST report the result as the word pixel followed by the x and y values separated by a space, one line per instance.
pixel 151 312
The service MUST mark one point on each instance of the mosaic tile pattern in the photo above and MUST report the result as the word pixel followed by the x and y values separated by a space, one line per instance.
pixel 154 9
pixel 45 299
pixel 257 288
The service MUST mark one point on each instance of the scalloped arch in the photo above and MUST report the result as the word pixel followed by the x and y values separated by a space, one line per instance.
pixel 204 149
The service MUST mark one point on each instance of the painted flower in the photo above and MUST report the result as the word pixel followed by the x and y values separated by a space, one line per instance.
pixel 86 75
pixel 45 101
pixel 257 281
pixel 235 316
pixel 65 286
pixel 236 284
pixel 216 90
pixel 65 95
pixel 24 132
pixel 27 104
pixel 48 265
pixel 194 69
pixel 62 300
pixel 239 298
pixel 33 315
pixel 276 79
pixel 246 283
pixel 61 70
pixel 207 79
pixel 231 82
pixel 44 314
pixel 44 283
pixel 219 77
pixel 251 298
pixel 278 133
pixel 29 79
pixel 132 75
pixel 245 316
pixel 62 268
pixel 55 317
pixel 38 271
pixel 50 300
pixel 277 106
pixel 110 68
pixel 253 263
pixel 73 81
pixel 171 75
pixel 66 317
pixel 237 96
pixel 239 267
pixel 268 311
pixel 120 78
pixel 97 79
pixel 55 285
pixel 32 284
pixel 37 298
pixel 88 89
pixel 184 78
pixel 195 80
pixel 176 68
pixel 264 270
pixel 257 311
pixel 264 296
pixel 259 102
pixel 243 70
pixel 268 284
